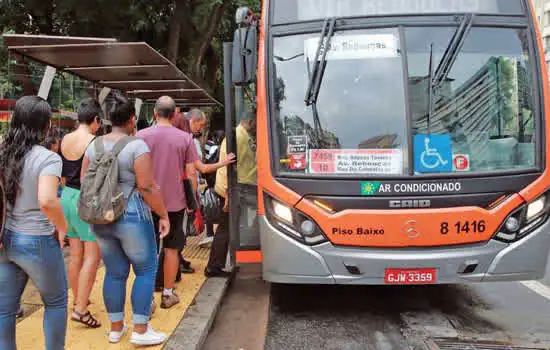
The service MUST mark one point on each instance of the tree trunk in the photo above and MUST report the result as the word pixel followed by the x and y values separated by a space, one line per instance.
pixel 175 30
pixel 209 33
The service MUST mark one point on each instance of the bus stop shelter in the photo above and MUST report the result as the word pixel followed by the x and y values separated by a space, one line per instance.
pixel 134 68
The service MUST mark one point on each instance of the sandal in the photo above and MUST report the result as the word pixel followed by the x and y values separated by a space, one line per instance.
pixel 86 319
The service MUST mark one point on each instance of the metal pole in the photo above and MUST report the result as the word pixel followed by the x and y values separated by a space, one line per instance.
pixel 230 137
pixel 46 84
pixel 239 102
pixel 102 97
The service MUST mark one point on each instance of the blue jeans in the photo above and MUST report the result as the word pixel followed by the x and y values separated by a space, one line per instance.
pixel 41 259
pixel 129 241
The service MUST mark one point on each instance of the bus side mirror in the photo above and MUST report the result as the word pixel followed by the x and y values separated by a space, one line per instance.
pixel 245 51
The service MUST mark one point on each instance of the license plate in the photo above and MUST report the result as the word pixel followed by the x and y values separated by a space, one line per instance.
pixel 410 276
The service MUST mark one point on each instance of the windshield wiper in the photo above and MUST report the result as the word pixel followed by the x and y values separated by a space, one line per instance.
pixel 447 61
pixel 317 73
pixel 319 65
pixel 452 50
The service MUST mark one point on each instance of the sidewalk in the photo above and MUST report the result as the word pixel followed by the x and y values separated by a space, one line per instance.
pixel 29 329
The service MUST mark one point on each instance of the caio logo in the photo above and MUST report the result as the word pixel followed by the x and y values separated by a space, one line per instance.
pixel 461 162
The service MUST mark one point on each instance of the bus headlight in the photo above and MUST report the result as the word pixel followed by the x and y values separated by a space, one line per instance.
pixel 524 220
pixel 282 212
pixel 535 208
pixel 292 222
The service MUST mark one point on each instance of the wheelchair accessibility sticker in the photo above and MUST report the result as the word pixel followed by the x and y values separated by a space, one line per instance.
pixel 433 154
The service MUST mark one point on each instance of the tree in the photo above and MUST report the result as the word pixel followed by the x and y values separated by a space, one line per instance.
pixel 189 32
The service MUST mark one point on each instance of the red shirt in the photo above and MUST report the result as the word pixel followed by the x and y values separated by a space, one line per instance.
pixel 181 123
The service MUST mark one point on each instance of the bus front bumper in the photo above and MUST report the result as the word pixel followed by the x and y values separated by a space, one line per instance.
pixel 288 261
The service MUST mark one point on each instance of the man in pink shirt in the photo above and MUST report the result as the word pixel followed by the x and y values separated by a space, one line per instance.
pixel 173 152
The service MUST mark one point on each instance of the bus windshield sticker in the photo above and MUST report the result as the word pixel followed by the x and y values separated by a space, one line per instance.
pixel 433 153
pixel 370 188
pixel 297 144
pixel 297 161
pixel 461 162
pixel 354 47
pixel 349 161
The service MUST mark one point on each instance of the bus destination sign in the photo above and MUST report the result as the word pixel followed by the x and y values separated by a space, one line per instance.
pixel 305 10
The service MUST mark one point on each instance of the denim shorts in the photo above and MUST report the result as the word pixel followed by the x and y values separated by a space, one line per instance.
pixel 77 227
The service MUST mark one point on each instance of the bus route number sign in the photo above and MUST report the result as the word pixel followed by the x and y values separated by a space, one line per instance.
pixel 350 161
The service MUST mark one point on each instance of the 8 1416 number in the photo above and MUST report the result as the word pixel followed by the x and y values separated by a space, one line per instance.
pixel 463 227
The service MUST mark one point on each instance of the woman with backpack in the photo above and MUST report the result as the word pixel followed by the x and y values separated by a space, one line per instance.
pixel 35 225
pixel 130 240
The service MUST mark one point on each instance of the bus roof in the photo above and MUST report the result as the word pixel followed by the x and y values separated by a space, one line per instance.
pixel 133 67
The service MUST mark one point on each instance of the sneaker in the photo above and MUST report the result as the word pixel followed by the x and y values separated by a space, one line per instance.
pixel 115 337
pixel 216 272
pixel 169 300
pixel 206 242
pixel 148 338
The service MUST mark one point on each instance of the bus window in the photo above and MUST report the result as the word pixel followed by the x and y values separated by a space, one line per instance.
pixel 361 108
pixel 481 112
pixel 245 197
pixel 484 104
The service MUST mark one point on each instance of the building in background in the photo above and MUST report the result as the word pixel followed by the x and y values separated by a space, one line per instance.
pixel 542 9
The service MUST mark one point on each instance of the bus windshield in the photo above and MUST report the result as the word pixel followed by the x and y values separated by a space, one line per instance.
pixel 379 111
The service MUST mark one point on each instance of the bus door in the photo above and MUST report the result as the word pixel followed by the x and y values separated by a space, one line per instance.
pixel 240 115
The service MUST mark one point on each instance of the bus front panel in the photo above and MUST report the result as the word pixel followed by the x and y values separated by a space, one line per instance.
pixel 402 145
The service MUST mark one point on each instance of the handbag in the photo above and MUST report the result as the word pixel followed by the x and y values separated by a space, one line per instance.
pixel 190 197
pixel 212 206
pixel 199 222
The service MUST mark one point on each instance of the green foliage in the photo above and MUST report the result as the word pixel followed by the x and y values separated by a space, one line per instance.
pixel 507 93
pixel 198 55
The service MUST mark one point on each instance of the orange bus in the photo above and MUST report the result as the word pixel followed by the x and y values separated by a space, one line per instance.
pixel 398 141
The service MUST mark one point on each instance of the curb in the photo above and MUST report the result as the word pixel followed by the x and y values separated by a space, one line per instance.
pixel 193 329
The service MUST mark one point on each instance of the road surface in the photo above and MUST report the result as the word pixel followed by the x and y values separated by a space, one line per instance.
pixel 257 315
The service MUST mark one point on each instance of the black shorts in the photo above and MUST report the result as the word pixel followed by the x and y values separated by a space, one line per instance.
pixel 176 238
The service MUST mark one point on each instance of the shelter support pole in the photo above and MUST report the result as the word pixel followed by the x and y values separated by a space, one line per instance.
pixel 47 81
pixel 102 97
pixel 138 104
pixel 239 103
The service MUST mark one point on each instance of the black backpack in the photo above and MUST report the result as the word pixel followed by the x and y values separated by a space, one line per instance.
pixel 212 158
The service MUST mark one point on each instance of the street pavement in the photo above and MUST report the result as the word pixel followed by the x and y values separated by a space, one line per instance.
pixel 513 315
pixel 481 316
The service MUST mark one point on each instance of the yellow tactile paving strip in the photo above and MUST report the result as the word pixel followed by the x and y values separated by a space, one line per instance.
pixel 194 251
pixel 30 331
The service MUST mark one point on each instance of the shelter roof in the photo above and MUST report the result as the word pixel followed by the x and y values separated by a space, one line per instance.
pixel 133 67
